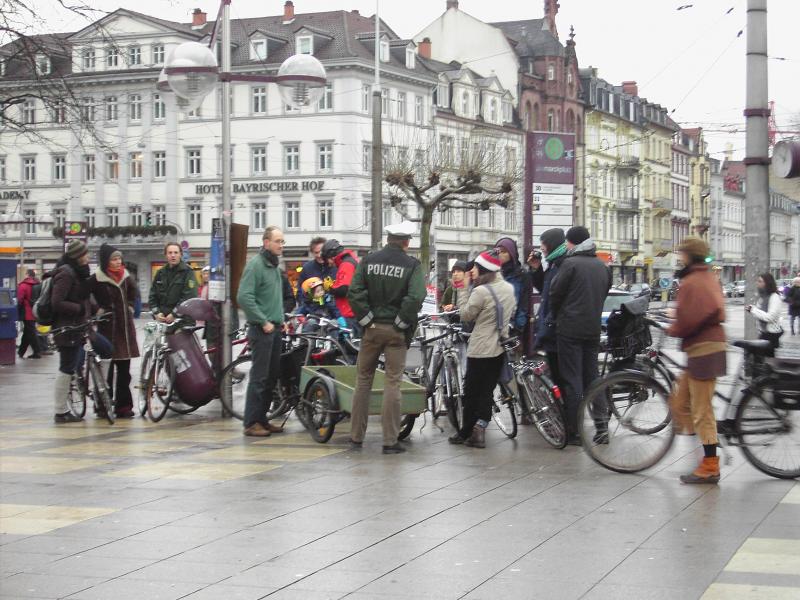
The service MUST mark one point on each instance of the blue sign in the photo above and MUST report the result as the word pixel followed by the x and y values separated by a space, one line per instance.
pixel 216 279
pixel 663 283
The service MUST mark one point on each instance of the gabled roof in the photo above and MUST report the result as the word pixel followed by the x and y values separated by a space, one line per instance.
pixel 313 30
pixel 530 39
pixel 175 26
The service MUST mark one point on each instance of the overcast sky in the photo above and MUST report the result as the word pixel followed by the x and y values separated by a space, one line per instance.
pixel 688 60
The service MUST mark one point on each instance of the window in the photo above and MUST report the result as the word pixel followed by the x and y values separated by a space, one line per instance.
pixel 366 98
pixel 258 160
pixel 112 217
pixel 447 218
pixel 159 215
pixel 112 108
pixel 569 82
pixel 112 57
pixel 493 111
pixel 29 168
pixel 193 163
pixel 135 165
pixel 195 113
pixel 58 112
pixel 465 104
pixel 470 217
pixel 259 218
pixel 551 72
pixel 158 54
pixel 112 166
pixel 326 102
pixel 135 107
pixel 3 168
pixel 411 58
pixel 551 120
pixel 367 213
pixel 419 110
pixel 325 214
pixel 59 168
pixel 87 109
pixel 292 214
pixel 43 65
pixel 88 216
pixel 510 219
pixel 29 112
pixel 195 211
pixel 136 215
pixel 29 216
pixel 384 51
pixel 401 106
pixel 325 153
pixel 511 160
pixel 134 56
pixel 366 158
pixel 88 60
pixel 159 164
pixel 305 44
pixel 259 104
pixel 258 50
pixel 89 171
pixel 385 103
pixel 292 159
pixel 159 108
pixel 442 97
pixel 59 217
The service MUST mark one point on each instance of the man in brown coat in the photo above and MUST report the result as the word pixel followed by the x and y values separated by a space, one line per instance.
pixel 699 315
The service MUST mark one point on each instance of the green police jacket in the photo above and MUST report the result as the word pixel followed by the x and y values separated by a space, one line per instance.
pixel 171 286
pixel 388 287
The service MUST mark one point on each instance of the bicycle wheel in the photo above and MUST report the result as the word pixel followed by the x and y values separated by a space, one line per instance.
pixel 545 408
pixel 159 388
pixel 503 412
pixel 621 421
pixel 406 426
pixel 770 436
pixel 101 392
pixel 141 396
pixel 77 395
pixel 318 408
pixel 237 375
pixel 453 395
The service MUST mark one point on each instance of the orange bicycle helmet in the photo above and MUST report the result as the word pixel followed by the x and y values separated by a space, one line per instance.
pixel 309 285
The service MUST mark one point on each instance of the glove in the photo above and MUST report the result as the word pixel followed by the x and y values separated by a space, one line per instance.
pixel 327 283
pixel 342 323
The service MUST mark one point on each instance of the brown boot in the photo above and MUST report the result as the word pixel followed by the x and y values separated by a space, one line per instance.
pixel 257 430
pixel 478 437
pixel 274 428
pixel 707 472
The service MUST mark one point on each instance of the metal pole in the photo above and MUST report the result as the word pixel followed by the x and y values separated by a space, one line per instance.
pixel 757 234
pixel 227 206
pixel 377 142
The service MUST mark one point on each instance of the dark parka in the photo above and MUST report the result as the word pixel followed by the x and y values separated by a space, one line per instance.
pixel 117 300
pixel 172 286
pixel 70 299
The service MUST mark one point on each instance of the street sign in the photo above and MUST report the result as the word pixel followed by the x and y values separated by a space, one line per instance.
pixel 553 209
pixel 553 188
pixel 216 281
pixel 663 283
pixel 75 230
pixel 553 198
pixel 184 245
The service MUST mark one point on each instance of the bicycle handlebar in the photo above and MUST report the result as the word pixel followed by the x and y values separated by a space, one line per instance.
pixel 82 326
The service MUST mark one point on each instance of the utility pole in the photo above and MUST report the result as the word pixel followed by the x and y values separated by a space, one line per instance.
pixel 757 234
pixel 227 204
pixel 377 142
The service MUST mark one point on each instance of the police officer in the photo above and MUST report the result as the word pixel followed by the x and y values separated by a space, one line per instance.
pixel 386 295
pixel 173 283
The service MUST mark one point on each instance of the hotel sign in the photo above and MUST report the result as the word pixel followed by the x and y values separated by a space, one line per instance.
pixel 15 195
pixel 259 187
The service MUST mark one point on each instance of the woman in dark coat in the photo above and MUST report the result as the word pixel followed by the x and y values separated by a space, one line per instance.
pixel 115 293
pixel 519 279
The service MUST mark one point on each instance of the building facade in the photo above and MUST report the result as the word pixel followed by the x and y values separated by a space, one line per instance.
pixel 682 150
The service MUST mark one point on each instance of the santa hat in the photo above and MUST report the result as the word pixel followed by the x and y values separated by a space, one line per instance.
pixel 489 261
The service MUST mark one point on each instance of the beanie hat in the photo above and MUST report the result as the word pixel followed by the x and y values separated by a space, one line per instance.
pixel 459 265
pixel 509 246
pixel 578 234
pixel 489 261
pixel 694 246
pixel 105 254
pixel 76 249
pixel 552 238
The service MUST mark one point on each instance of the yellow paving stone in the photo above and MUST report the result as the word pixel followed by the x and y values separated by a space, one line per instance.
pixel 13 444
pixel 18 421
pixel 738 591
pixel 767 555
pixel 793 497
pixel 259 451
pixel 183 435
pixel 40 465
pixel 9 510
pixel 23 526
pixel 122 447
pixel 34 519
pixel 192 470
pixel 289 439
pixel 53 433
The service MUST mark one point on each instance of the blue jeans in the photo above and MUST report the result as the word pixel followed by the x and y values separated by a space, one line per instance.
pixel 266 349
pixel 71 357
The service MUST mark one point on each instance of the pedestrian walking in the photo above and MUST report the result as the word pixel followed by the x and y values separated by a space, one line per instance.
pixel 576 298
pixel 317 266
pixel 699 315
pixel 260 296
pixel 115 292
pixel 793 300
pixel 173 283
pixel 345 262
pixel 768 311
pixel 386 294
pixel 456 288
pixel 25 301
pixel 486 306
pixel 70 300
pixel 520 280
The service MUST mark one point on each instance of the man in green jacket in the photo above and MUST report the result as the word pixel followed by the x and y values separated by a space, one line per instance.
pixel 173 283
pixel 386 295
pixel 261 298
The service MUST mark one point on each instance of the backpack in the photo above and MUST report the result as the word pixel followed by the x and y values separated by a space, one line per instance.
pixel 43 307
pixel 36 291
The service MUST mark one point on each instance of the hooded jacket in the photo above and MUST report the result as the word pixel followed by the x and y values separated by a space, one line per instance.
pixel 346 263
pixel 519 280
pixel 70 298
pixel 578 292
pixel 25 297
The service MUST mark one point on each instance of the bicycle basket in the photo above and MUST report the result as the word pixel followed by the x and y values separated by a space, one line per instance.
pixel 628 333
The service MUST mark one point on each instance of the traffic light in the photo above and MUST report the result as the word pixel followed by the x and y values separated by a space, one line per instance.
pixel 147 220
pixel 709 259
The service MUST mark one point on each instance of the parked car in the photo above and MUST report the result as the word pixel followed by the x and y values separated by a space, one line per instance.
pixel 639 289
pixel 739 287
pixel 729 290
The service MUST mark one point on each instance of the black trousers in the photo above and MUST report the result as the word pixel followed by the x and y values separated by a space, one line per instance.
pixel 479 383
pixel 28 338
pixel 577 365
pixel 119 380
pixel 774 339
pixel 266 348
pixel 555 373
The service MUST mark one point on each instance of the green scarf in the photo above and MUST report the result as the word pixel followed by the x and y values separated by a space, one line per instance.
pixel 558 252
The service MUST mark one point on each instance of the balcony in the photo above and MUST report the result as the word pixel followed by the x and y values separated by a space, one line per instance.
pixel 628 246
pixel 628 204
pixel 662 205
pixel 662 246
pixel 628 163
pixel 702 224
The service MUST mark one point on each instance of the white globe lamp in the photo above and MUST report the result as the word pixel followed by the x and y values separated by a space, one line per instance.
pixel 192 71
pixel 301 80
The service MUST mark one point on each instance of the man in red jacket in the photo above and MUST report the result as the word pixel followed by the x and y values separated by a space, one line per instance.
pixel 25 306
pixel 345 262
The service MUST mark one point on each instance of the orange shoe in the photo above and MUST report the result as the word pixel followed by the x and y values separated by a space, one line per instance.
pixel 707 472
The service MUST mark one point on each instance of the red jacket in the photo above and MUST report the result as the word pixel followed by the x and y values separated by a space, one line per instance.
pixel 25 295
pixel 346 263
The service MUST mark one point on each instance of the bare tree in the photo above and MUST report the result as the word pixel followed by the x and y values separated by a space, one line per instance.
pixel 473 172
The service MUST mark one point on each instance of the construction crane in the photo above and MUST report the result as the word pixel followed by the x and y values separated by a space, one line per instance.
pixel 772 127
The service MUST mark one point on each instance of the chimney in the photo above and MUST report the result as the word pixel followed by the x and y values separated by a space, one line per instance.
pixel 198 18
pixel 355 11
pixel 288 11
pixel 452 4
pixel 424 48
pixel 630 88
pixel 550 11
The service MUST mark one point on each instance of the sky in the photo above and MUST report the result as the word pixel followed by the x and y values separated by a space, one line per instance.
pixel 689 60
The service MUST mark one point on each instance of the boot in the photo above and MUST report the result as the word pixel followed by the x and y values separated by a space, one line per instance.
pixel 478 437
pixel 707 472
pixel 60 397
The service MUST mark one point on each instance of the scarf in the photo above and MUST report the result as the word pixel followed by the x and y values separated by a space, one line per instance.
pixel 557 253
pixel 82 271
pixel 116 274
pixel 269 257
pixel 764 296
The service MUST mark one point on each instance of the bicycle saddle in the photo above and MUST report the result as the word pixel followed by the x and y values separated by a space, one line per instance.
pixel 753 346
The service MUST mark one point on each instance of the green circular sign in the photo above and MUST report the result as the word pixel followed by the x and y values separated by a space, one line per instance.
pixel 554 148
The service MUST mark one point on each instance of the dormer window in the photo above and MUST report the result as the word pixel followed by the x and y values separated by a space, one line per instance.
pixel 493 111
pixel 88 59
pixel 305 44
pixel 465 104
pixel 258 49
pixel 384 49
pixel 112 57
pixel 42 64
pixel 411 58
pixel 442 98
pixel 2 68
pixel 506 112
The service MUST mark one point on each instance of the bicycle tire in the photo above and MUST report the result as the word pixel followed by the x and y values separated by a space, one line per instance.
pixel 237 375
pixel 159 383
pixel 622 406
pixel 503 413
pixel 144 372
pixel 77 395
pixel 778 425
pixel 625 447
pixel 545 409
pixel 406 426
pixel 176 405
pixel 318 407
pixel 101 390
pixel 453 399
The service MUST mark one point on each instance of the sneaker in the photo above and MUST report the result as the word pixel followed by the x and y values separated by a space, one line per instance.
pixel 477 439
pixel 35 356
pixel 395 449
pixel 456 439
pixel 66 417
pixel 257 430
